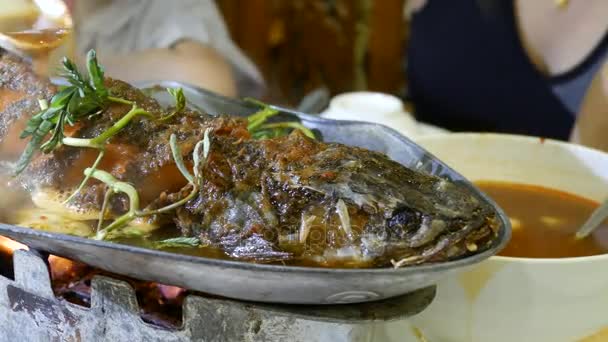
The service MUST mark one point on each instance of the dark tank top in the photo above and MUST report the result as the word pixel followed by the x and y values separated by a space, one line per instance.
pixel 468 71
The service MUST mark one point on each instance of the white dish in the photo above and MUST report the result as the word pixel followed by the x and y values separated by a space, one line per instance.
pixel 521 299
pixel 374 107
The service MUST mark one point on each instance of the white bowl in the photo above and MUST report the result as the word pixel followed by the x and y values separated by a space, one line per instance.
pixel 373 107
pixel 521 299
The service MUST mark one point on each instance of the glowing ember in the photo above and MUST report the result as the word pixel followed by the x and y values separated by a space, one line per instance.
pixel 71 280
pixel 170 292
pixel 61 267
pixel 8 246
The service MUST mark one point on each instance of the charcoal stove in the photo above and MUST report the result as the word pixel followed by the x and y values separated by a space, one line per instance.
pixel 30 311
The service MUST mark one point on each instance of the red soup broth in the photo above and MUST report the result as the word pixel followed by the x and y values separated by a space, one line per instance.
pixel 545 221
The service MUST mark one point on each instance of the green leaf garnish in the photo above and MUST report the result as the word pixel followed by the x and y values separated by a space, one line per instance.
pixel 96 75
pixel 37 137
pixel 88 96
pixel 180 99
pixel 179 160
pixel 72 75
pixel 115 186
pixel 32 125
pixel 259 129
pixel 82 98
pixel 296 125
pixel 180 102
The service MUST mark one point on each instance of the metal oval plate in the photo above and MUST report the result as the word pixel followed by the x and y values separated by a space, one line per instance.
pixel 274 283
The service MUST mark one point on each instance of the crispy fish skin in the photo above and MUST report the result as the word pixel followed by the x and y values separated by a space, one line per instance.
pixel 139 154
pixel 20 90
pixel 296 198
pixel 286 199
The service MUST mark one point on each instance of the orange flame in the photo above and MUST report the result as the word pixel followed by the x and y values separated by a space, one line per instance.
pixel 8 246
pixel 170 292
pixel 61 267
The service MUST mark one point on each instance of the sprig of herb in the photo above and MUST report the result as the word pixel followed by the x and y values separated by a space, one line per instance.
pixel 259 129
pixel 97 79
pixel 180 102
pixel 258 118
pixel 85 97
pixel 115 186
pixel 179 161
pixel 291 124
pixel 100 141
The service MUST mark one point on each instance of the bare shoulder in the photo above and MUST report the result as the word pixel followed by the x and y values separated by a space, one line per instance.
pixel 591 127
pixel 412 6
pixel 557 38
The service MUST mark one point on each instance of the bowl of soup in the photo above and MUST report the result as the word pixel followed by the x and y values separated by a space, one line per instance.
pixel 544 285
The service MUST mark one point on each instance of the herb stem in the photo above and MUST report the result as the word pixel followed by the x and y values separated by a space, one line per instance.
pixel 290 124
pixel 165 118
pixel 179 161
pixel 43 103
pixel 86 177
pixel 173 205
pixel 178 242
pixel 180 102
pixel 119 100
pixel 257 119
pixel 120 124
pixel 78 142
pixel 257 122
pixel 104 206
pixel 116 186
pixel 118 223
pixel 99 142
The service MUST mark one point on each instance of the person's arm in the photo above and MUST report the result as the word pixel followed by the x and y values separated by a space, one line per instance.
pixel 591 127
pixel 187 61
pixel 184 40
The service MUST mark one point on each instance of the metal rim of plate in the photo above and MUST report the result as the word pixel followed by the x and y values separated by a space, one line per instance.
pixel 500 242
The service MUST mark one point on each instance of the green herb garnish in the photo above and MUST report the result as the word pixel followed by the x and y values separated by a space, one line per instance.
pixel 115 186
pixel 259 129
pixel 180 102
pixel 85 97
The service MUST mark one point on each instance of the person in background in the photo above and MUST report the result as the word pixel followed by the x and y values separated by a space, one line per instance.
pixel 149 40
pixel 592 125
pixel 514 66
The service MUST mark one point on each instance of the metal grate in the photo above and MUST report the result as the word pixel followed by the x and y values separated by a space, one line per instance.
pixel 29 311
